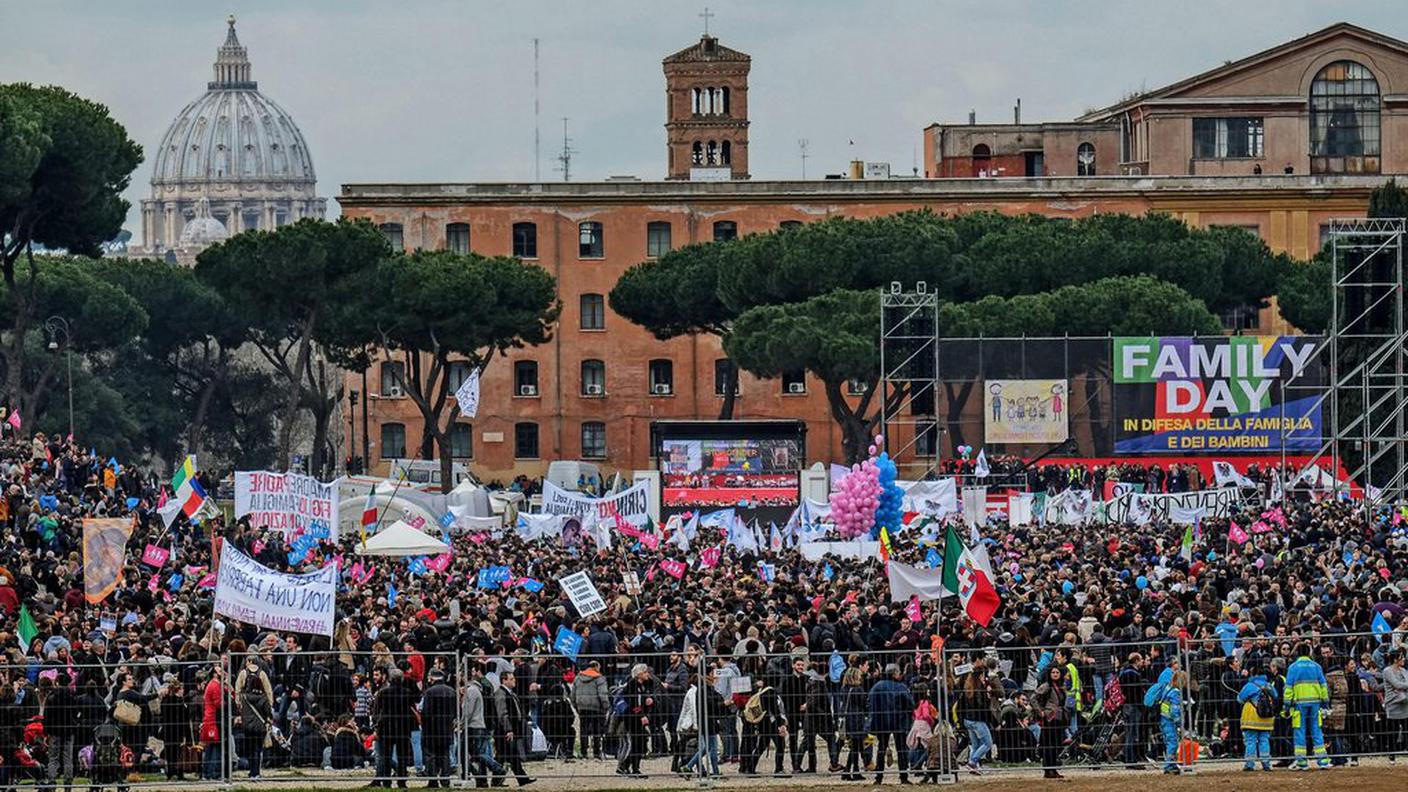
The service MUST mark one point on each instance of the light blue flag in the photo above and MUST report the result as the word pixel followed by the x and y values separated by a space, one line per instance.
pixel 1380 626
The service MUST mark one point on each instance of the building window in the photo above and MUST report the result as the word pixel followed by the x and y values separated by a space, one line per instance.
pixel 789 225
pixel 457 237
pixel 724 370
pixel 457 373
pixel 1242 317
pixel 525 378
pixel 794 382
pixel 926 439
pixel 1085 159
pixel 1225 138
pixel 593 440
pixel 696 154
pixel 657 239
pixel 393 441
pixel 1344 120
pixel 1254 230
pixel 855 387
pixel 393 378
pixel 593 378
pixel 589 240
pixel 593 309
pixel 982 160
pixel 395 235
pixel 662 377
pixel 462 441
pixel 725 231
pixel 725 153
pixel 525 240
pixel 525 440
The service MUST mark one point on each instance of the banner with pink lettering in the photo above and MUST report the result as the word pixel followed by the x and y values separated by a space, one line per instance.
pixel 289 502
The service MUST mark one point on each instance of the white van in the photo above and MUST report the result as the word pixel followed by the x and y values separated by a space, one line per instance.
pixel 426 472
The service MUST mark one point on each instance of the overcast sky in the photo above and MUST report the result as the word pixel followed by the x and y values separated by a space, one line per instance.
pixel 442 90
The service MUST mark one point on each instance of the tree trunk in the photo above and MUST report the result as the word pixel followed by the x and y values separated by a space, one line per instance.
pixel 447 462
pixel 956 403
pixel 295 384
pixel 730 394
pixel 855 429
pixel 318 464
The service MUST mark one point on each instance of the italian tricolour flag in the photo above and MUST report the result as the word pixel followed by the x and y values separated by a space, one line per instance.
pixel 969 579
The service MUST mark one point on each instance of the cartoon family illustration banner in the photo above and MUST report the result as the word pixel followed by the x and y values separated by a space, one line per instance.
pixel 1026 411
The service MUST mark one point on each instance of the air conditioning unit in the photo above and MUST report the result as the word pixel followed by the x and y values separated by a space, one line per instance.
pixel 394 392
pixel 527 390
pixel 660 389
pixel 796 387
pixel 594 390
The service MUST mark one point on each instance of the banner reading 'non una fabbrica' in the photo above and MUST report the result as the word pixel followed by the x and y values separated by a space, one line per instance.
pixel 1216 395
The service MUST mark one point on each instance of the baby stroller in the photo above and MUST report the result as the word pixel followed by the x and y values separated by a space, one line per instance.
pixel 111 759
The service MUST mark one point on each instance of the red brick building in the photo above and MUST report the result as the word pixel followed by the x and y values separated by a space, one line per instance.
pixel 592 391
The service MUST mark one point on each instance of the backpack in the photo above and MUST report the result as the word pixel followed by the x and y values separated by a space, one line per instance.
pixel 1114 696
pixel 1155 694
pixel 754 711
pixel 1265 703
pixel 618 701
pixel 107 747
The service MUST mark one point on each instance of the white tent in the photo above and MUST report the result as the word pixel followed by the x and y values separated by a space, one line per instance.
pixel 400 539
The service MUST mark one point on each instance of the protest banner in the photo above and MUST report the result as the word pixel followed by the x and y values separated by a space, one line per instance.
pixel 1026 411
pixel 250 592
pixel 1214 504
pixel 104 552
pixel 289 502
pixel 1216 394
pixel 632 505
pixel 582 591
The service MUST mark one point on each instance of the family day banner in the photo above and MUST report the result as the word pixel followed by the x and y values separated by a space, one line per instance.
pixel 1139 508
pixel 632 505
pixel 1216 395
pixel 290 502
pixel 255 594
pixel 1026 411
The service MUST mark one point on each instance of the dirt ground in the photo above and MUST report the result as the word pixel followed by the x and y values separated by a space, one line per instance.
pixel 1376 777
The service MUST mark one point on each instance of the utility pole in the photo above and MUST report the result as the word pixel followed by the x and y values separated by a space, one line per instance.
pixel 565 158
pixel 802 144
pixel 537 158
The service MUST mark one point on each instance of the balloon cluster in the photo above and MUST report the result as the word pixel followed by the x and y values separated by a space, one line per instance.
pixel 889 512
pixel 856 497
pixel 867 497
pixel 965 451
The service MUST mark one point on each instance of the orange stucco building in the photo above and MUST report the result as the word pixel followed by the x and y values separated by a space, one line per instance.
pixel 592 391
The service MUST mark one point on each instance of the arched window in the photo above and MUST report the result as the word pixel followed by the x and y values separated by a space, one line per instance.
pixel 711 153
pixel 457 237
pixel 525 240
pixel 393 441
pixel 723 100
pixel 593 312
pixel 696 155
pixel 1085 159
pixel 591 241
pixel 1344 120
pixel 593 440
pixel 593 378
pixel 462 441
pixel 982 155
pixel 725 153
pixel 694 100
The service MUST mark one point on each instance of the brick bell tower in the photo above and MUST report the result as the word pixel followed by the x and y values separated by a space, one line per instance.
pixel 706 112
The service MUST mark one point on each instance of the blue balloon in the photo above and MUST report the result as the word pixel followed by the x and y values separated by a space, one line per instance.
pixel 1067 587
pixel 1141 582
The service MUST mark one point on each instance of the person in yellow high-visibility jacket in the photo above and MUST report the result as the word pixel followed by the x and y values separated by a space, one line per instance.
pixel 1307 696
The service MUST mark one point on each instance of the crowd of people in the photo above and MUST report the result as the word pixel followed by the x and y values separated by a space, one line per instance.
pixel 1112 645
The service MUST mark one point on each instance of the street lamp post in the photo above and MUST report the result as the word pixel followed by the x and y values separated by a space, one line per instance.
pixel 54 327
pixel 352 433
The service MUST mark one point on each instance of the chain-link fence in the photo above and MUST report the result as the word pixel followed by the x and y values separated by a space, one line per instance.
pixel 131 722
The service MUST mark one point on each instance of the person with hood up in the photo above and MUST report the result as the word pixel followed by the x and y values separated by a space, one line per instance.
pixel 592 698
pixel 1256 696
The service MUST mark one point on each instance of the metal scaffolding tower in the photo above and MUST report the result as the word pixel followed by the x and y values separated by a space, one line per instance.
pixel 909 378
pixel 1367 367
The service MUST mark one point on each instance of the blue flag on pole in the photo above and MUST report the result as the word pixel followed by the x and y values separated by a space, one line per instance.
pixel 390 594
pixel 1380 626
pixel 446 520
pixel 567 643
pixel 416 566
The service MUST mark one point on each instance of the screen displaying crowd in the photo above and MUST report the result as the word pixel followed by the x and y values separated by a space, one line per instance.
pixel 1112 645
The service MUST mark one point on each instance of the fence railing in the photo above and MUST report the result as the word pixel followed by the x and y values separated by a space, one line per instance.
pixel 911 712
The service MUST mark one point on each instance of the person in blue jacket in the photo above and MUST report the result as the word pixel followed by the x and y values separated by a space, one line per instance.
pixel 891 708
pixel 1170 703
pixel 1307 697
pixel 1256 728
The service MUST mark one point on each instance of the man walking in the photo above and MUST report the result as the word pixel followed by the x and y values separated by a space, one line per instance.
pixel 890 704
pixel 513 726
pixel 393 712
pixel 476 720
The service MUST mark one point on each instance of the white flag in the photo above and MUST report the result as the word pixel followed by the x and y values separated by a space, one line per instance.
pixel 468 395
pixel 981 469
pixel 1226 474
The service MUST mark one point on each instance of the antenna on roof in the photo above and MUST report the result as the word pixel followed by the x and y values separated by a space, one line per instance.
pixel 537 158
pixel 802 144
pixel 565 158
